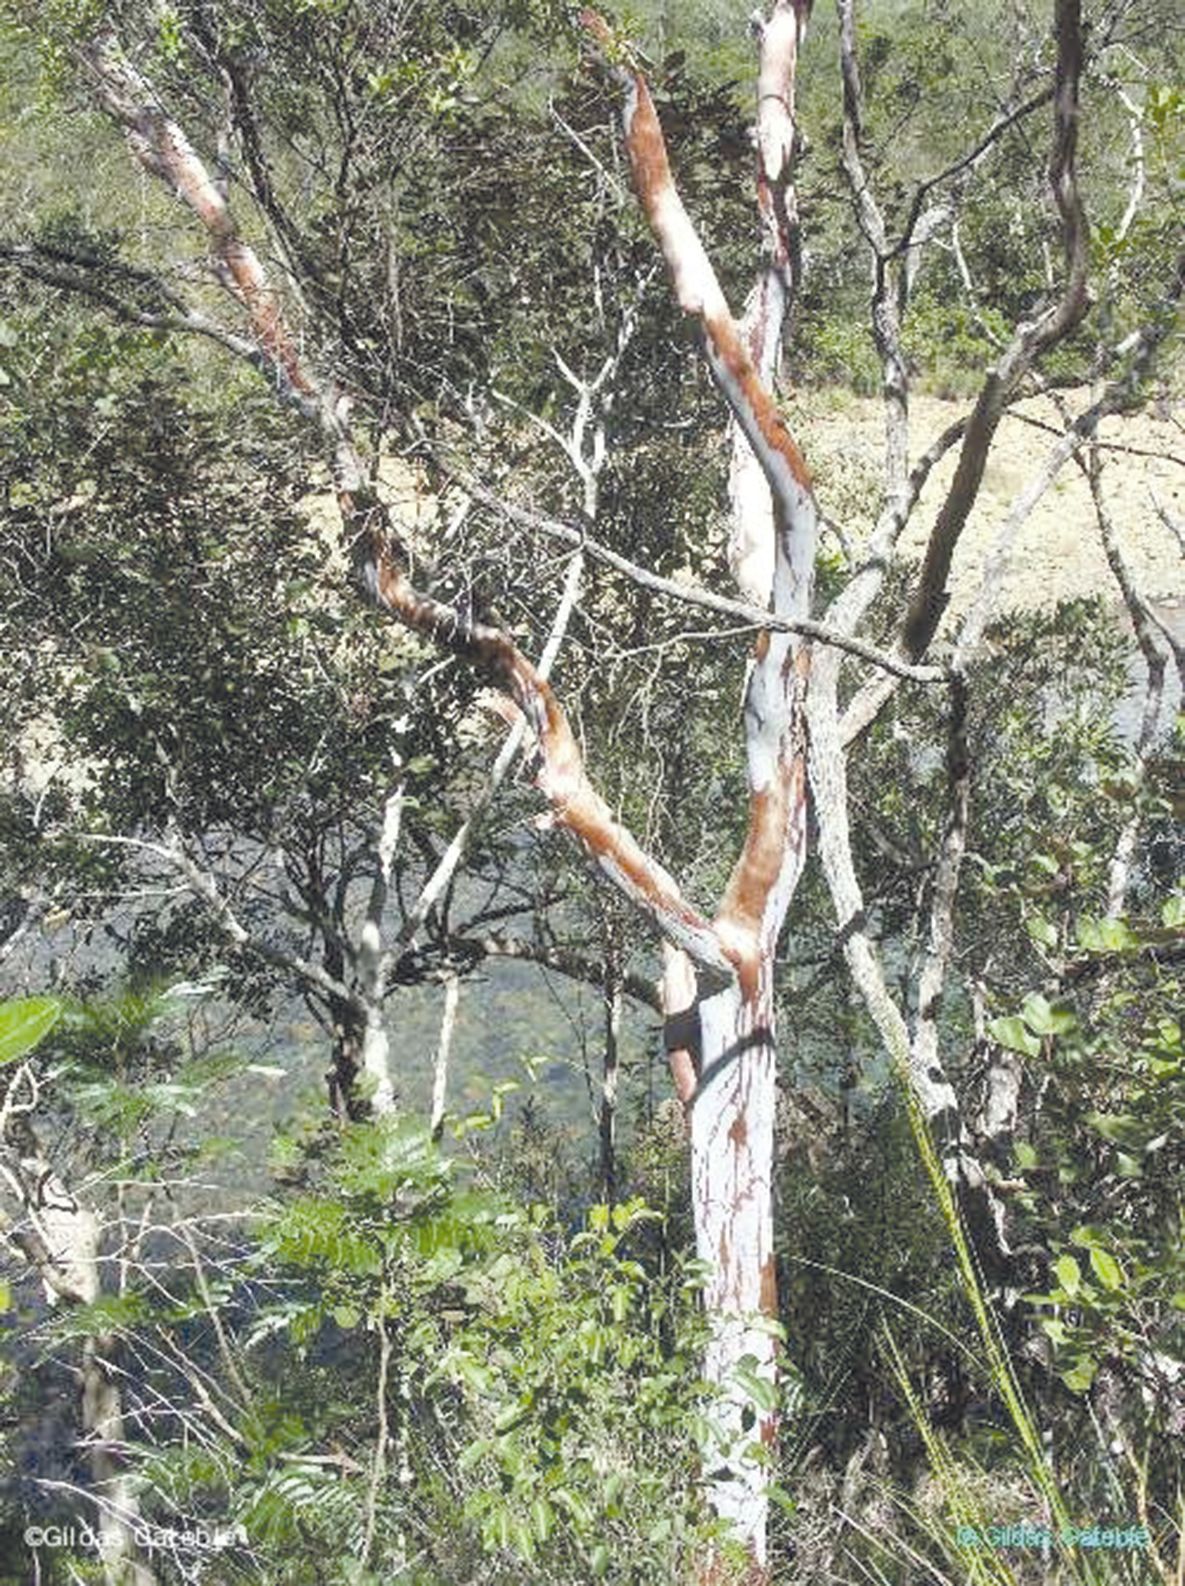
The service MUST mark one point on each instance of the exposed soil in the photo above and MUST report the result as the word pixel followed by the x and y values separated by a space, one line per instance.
pixel 1057 554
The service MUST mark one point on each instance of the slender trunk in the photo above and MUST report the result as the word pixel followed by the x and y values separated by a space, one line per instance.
pixel 607 1110
pixel 349 1033
pixel 115 1493
pixel 448 1023
pixel 725 1070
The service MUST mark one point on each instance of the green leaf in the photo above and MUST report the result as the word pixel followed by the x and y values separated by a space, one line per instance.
pixel 1041 930
pixel 575 1505
pixel 1106 1269
pixel 1080 1375
pixel 1044 1019
pixel 1105 936
pixel 760 1389
pixel 542 1518
pixel 1088 1237
pixel 1069 1274
pixel 1173 912
pixel 474 1453
pixel 1121 1127
pixel 24 1023
pixel 1013 1034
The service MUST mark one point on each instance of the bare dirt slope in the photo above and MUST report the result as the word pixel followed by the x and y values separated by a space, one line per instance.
pixel 1057 554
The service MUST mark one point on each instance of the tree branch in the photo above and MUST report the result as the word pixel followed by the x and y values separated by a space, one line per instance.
pixel 722 605
pixel 1030 341
pixel 380 561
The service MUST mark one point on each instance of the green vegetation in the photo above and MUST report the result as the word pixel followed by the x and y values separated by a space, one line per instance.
pixel 265 1327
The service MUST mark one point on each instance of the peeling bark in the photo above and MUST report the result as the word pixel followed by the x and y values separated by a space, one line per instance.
pixel 772 549
pixel 380 562
pixel 751 528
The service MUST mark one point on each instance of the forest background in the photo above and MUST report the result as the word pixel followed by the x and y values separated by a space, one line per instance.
pixel 357 1227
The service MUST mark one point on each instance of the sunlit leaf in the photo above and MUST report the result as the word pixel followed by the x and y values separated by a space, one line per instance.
pixel 24 1023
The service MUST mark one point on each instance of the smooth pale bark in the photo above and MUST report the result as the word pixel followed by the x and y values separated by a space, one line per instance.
pixel 444 1046
pixel 730 957
pixel 374 964
pixel 731 1050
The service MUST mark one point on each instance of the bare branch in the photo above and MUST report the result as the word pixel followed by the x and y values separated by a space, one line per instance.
pixel 689 595
pixel 83 279
pixel 1007 118
pixel 569 963
pixel 1029 342
pixel 1155 645
pixel 438 882
pixel 887 304
pixel 444 1043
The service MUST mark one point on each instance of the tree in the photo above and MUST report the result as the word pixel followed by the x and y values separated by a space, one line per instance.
pixel 719 985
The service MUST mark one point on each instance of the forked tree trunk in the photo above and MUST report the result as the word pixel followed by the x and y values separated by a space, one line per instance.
pixel 726 1068
pixel 720 973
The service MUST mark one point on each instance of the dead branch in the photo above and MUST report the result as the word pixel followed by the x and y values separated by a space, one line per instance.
pixel 722 605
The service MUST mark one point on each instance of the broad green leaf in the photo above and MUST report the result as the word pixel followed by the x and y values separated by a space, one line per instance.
pixel 475 1452
pixel 1069 1274
pixel 1105 936
pixel 1080 1375
pixel 1037 1014
pixel 1044 1019
pixel 1014 1034
pixel 24 1023
pixel 575 1505
pixel 1172 913
pixel 1106 1269
pixel 760 1389
pixel 1088 1237
pixel 1041 930
pixel 1121 1127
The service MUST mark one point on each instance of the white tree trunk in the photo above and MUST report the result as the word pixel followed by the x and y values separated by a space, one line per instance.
pixel 732 1124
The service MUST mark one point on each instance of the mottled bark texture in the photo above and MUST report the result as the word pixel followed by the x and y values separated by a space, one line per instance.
pixel 730 1050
